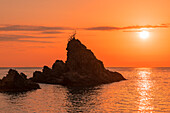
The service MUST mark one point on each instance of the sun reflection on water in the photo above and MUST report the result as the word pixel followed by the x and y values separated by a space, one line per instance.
pixel 145 85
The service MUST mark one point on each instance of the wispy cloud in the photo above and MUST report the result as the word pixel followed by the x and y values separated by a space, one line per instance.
pixel 58 30
pixel 145 26
pixel 34 41
pixel 107 28
pixel 22 38
pixel 137 27
pixel 135 30
pixel 51 32
pixel 30 28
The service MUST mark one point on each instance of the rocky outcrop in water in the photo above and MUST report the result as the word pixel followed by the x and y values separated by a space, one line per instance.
pixel 82 68
pixel 15 82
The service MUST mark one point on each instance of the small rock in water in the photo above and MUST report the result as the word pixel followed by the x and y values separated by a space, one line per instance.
pixel 15 82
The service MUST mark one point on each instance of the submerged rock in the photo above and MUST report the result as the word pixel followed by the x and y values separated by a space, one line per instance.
pixel 15 82
pixel 82 68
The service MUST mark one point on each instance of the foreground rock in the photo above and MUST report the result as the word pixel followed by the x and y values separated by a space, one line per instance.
pixel 82 68
pixel 15 82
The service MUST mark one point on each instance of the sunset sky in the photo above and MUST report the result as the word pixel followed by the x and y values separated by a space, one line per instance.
pixel 35 32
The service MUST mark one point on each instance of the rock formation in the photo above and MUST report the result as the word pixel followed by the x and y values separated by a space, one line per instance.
pixel 82 68
pixel 15 82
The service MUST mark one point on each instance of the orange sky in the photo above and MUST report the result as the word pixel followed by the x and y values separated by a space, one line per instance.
pixel 35 32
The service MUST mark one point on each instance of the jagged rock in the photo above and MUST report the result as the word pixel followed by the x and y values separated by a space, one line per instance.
pixel 24 76
pixel 59 67
pixel 14 82
pixel 82 68
pixel 38 76
pixel 46 70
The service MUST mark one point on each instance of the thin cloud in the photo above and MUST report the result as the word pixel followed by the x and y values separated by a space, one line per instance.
pixel 30 28
pixel 40 46
pixel 133 30
pixel 52 32
pixel 146 26
pixel 34 41
pixel 137 27
pixel 167 24
pixel 22 38
pixel 107 28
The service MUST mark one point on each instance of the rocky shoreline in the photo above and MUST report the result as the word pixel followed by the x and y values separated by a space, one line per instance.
pixel 81 69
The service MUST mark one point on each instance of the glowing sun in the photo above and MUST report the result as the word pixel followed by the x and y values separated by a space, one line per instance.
pixel 144 34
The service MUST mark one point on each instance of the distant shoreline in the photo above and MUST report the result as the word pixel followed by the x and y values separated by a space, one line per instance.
pixel 51 67
pixel 20 67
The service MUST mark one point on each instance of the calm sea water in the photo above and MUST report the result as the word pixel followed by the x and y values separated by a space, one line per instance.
pixel 146 90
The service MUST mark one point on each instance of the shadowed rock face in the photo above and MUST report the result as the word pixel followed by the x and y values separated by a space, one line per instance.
pixel 82 68
pixel 14 82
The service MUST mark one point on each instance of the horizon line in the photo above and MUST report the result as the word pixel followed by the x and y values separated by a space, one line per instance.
pixel 106 67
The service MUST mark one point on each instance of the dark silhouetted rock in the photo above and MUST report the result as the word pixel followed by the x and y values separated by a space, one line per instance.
pixel 82 68
pixel 59 67
pixel 38 76
pixel 15 82
pixel 24 76
pixel 46 69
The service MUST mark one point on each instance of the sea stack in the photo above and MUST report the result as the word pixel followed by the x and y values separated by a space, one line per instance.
pixel 15 82
pixel 82 68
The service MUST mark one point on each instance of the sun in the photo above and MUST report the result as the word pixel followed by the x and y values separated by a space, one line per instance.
pixel 144 34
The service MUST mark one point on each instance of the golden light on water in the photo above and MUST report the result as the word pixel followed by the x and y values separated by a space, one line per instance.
pixel 145 85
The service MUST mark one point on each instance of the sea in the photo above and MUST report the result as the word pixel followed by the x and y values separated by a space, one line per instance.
pixel 146 90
